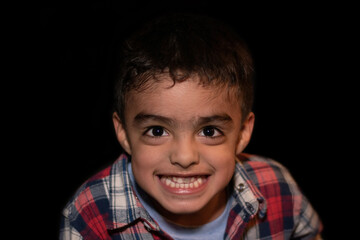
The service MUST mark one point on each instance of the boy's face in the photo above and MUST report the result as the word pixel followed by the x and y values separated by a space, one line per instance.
pixel 183 140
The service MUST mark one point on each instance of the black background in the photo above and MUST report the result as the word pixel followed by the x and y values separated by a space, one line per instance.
pixel 301 60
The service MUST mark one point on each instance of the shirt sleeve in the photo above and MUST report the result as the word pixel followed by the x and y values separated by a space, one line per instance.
pixel 308 224
pixel 67 232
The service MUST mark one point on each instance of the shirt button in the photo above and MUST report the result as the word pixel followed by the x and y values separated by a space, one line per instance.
pixel 240 187
pixel 250 207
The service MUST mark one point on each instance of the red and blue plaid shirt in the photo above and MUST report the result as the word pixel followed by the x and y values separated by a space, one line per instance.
pixel 268 205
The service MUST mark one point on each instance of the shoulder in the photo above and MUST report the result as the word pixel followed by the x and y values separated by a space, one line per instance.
pixel 266 171
pixel 287 207
pixel 95 194
pixel 258 162
pixel 90 211
pixel 275 184
pixel 89 195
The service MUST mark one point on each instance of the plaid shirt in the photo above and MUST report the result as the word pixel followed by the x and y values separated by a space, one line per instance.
pixel 268 205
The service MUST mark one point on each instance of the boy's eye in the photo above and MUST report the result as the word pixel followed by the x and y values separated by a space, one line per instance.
pixel 156 132
pixel 210 132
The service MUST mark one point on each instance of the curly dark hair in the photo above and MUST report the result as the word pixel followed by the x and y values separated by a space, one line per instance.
pixel 183 45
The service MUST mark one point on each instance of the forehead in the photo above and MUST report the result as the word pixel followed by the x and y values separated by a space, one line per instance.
pixel 182 100
pixel 162 83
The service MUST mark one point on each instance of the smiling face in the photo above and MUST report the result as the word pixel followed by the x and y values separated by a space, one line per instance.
pixel 183 140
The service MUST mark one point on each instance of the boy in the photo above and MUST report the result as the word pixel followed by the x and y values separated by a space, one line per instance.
pixel 183 116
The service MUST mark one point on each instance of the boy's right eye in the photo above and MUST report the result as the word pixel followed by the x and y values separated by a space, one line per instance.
pixel 156 131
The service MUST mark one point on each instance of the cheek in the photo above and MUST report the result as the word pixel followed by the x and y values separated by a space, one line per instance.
pixel 222 159
pixel 225 165
pixel 145 159
pixel 143 166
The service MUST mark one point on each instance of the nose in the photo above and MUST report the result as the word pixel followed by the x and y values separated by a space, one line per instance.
pixel 184 152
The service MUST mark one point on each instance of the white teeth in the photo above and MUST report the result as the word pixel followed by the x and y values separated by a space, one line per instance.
pixel 179 182
pixel 167 182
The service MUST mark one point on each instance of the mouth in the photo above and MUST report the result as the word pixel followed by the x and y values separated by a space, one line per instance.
pixel 182 184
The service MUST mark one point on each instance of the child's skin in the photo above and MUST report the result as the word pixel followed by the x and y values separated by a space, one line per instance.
pixel 188 131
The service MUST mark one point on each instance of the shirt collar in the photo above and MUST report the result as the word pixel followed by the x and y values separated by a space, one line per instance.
pixel 246 193
pixel 126 208
pixel 124 205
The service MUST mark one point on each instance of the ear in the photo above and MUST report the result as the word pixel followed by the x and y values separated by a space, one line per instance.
pixel 245 134
pixel 121 133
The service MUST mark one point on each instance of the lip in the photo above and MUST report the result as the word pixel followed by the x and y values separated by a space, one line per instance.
pixel 183 184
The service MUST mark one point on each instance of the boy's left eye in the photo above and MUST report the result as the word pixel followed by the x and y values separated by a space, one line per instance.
pixel 210 132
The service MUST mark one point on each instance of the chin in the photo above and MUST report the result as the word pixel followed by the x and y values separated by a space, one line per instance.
pixel 183 207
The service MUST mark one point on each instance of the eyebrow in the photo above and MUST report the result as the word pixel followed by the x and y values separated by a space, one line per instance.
pixel 141 118
pixel 222 118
